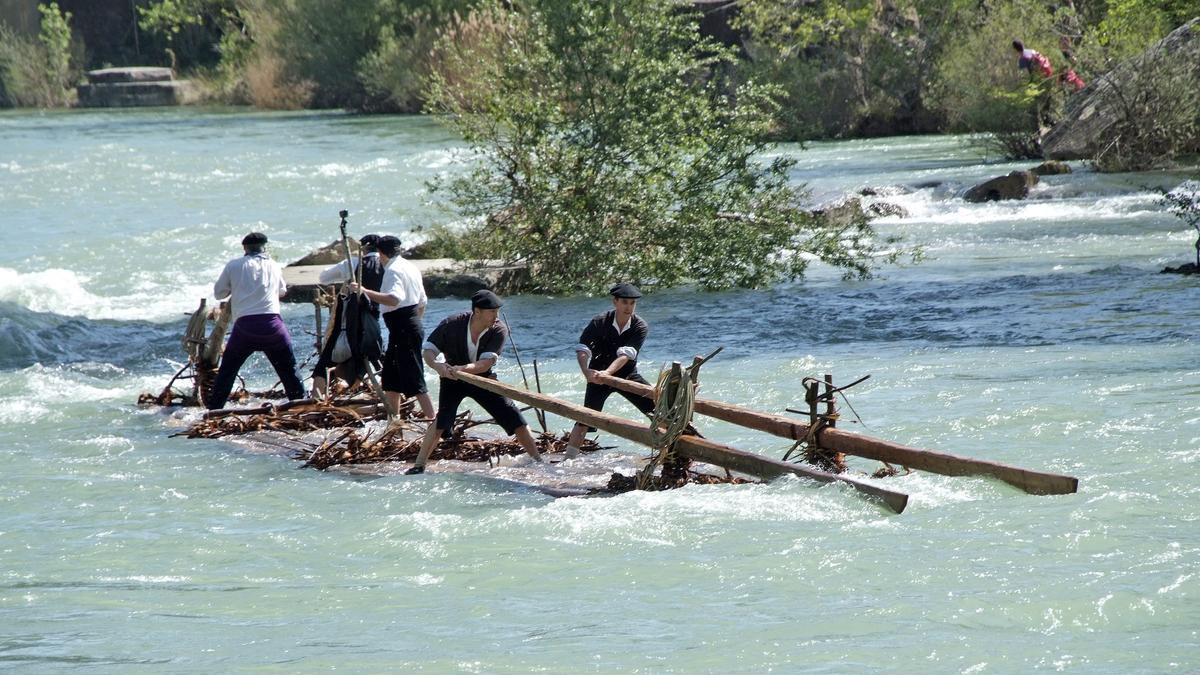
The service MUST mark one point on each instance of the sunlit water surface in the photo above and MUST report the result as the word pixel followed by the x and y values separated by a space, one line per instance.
pixel 1038 333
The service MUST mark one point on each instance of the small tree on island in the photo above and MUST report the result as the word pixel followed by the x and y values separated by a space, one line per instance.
pixel 610 144
pixel 1184 203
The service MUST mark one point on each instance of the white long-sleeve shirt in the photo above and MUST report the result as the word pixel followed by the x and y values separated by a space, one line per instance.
pixel 341 272
pixel 253 283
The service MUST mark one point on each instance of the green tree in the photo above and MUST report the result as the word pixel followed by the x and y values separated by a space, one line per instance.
pixel 40 73
pixel 978 87
pixel 608 147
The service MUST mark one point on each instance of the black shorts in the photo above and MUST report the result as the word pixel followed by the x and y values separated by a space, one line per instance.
pixel 452 393
pixel 403 370
pixel 596 394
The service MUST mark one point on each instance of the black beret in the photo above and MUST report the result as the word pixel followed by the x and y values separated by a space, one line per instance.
pixel 388 245
pixel 485 299
pixel 254 239
pixel 369 240
pixel 625 290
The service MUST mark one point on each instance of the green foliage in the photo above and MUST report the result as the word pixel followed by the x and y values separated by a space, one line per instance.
pixel 978 87
pixel 360 54
pixel 394 72
pixel 189 32
pixel 1128 28
pixel 39 73
pixel 609 146
pixel 849 68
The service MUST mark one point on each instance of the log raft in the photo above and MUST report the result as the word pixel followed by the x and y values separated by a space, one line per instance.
pixel 1032 482
pixel 692 447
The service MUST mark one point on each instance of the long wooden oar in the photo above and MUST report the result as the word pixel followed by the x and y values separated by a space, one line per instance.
pixel 1033 482
pixel 693 447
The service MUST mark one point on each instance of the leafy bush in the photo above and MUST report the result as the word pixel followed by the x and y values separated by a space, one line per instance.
pixel 977 84
pixel 40 73
pixel 1158 115
pixel 1128 28
pixel 609 147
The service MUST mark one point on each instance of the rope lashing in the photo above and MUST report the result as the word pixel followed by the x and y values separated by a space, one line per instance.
pixel 674 403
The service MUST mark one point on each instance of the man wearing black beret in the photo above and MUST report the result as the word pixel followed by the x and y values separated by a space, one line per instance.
pixel 254 283
pixel 470 342
pixel 610 344
pixel 402 300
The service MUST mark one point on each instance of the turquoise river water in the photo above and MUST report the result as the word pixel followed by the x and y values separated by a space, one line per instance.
pixel 1038 333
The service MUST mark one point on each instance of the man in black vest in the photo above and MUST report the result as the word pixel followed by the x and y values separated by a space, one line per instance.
pixel 358 314
pixel 610 344
pixel 402 298
pixel 471 343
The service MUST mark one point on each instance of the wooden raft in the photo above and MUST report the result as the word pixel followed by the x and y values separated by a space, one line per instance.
pixel 1033 482
pixel 692 447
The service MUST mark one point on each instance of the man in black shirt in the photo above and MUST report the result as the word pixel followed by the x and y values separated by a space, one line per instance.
pixel 610 344
pixel 471 343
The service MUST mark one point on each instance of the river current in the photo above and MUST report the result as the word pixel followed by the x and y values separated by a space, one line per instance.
pixel 1038 333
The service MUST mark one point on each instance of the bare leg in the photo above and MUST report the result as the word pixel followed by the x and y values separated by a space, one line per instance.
pixel 575 440
pixel 318 386
pixel 392 399
pixel 526 440
pixel 426 404
pixel 432 434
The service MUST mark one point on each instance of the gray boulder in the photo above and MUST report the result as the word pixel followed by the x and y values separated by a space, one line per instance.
pixel 1090 113
pixel 1013 186
pixel 329 254
pixel 884 209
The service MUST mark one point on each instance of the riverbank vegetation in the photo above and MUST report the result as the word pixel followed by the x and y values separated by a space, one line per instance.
pixel 625 140
pixel 843 68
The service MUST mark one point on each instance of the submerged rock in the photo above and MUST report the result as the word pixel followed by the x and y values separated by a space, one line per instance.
pixel 1186 268
pixel 885 209
pixel 1013 186
pixel 843 213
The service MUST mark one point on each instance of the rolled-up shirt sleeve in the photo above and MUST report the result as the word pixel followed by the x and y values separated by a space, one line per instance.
pixel 492 344
pixel 587 338
pixel 635 341
pixel 628 352
pixel 436 339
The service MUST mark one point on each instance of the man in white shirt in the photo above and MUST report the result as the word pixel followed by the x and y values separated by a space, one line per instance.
pixel 254 283
pixel 402 299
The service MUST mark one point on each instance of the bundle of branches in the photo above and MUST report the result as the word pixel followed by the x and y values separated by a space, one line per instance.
pixel 393 445
pixel 304 416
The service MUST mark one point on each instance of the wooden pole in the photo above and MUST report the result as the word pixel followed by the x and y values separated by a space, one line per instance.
pixel 1033 482
pixel 693 447
pixel 320 331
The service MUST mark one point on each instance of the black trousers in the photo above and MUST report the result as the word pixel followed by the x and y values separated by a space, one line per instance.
pixel 596 394
pixel 403 370
pixel 452 392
